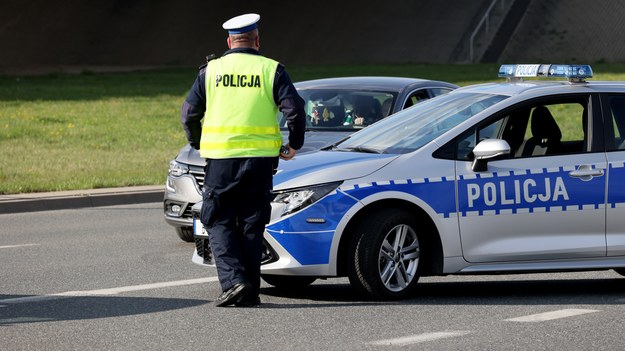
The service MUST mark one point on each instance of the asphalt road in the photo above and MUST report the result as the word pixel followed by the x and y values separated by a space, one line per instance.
pixel 118 278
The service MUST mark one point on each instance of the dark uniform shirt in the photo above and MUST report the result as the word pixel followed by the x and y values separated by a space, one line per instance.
pixel 284 95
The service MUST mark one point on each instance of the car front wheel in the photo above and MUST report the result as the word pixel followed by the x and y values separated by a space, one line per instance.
pixel 185 233
pixel 385 255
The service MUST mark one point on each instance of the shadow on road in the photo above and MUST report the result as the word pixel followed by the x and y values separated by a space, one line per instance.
pixel 500 292
pixel 329 293
pixel 89 307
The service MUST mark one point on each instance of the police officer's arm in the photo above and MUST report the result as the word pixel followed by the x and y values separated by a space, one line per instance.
pixel 193 110
pixel 292 107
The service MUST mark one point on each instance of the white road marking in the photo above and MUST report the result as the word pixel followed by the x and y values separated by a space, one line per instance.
pixel 12 246
pixel 111 291
pixel 415 339
pixel 547 316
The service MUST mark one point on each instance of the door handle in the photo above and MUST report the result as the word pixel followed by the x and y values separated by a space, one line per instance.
pixel 586 172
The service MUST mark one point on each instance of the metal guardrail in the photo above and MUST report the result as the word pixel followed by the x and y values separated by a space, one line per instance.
pixel 485 21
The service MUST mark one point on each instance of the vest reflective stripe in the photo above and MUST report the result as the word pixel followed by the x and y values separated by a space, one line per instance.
pixel 240 130
pixel 246 147
pixel 240 118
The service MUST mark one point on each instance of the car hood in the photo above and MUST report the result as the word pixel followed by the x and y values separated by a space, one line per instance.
pixel 190 156
pixel 319 167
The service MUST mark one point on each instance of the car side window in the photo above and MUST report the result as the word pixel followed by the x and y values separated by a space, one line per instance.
pixel 617 112
pixel 416 97
pixel 538 129
pixel 555 129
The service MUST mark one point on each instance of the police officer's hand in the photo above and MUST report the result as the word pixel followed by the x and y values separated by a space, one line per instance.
pixel 289 155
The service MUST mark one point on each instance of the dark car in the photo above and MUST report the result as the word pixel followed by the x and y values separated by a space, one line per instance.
pixel 335 108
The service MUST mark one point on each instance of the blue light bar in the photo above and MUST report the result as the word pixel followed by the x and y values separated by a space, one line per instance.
pixel 571 72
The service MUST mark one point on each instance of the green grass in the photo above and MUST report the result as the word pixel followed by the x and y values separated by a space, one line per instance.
pixel 68 132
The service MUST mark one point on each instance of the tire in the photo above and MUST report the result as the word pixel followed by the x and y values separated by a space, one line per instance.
pixel 288 281
pixel 385 255
pixel 185 233
pixel 620 271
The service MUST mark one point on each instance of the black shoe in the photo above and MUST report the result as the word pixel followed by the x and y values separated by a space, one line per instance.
pixel 231 295
pixel 247 301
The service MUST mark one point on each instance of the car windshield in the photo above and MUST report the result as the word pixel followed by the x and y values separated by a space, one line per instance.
pixel 343 109
pixel 410 129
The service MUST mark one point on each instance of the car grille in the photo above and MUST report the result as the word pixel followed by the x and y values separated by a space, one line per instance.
pixel 203 250
pixel 268 254
pixel 198 174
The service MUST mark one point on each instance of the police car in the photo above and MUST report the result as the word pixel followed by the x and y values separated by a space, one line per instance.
pixel 526 175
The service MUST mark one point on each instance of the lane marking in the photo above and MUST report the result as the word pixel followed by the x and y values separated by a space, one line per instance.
pixel 547 316
pixel 415 339
pixel 12 246
pixel 110 291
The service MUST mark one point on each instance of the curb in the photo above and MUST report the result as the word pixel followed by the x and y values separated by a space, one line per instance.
pixel 33 202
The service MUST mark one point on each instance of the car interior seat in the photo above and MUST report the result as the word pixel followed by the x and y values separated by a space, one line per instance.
pixel 546 135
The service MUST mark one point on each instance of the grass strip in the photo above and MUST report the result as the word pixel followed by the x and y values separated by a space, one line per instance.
pixel 95 130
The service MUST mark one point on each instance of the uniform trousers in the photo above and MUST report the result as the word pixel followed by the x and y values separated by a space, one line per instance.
pixel 236 206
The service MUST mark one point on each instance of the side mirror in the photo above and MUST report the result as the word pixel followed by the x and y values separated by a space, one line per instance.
pixel 488 149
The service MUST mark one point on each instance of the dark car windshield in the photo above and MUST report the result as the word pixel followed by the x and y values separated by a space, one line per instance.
pixel 410 129
pixel 344 109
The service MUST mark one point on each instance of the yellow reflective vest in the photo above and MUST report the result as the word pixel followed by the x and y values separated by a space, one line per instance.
pixel 240 118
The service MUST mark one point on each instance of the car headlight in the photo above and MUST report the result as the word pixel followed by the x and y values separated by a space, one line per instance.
pixel 177 169
pixel 294 200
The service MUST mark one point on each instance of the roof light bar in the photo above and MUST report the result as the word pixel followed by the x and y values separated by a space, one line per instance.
pixel 574 73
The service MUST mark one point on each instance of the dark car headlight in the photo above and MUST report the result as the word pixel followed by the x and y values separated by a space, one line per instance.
pixel 293 200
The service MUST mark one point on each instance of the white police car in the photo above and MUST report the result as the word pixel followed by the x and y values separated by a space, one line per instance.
pixel 517 176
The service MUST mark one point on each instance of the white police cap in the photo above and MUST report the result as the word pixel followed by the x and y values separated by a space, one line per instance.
pixel 242 23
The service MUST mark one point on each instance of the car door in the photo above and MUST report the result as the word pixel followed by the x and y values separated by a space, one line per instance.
pixel 543 201
pixel 614 105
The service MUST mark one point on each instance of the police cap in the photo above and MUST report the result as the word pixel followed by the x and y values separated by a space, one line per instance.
pixel 241 24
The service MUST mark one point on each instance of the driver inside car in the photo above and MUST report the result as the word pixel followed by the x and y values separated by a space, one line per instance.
pixel 367 110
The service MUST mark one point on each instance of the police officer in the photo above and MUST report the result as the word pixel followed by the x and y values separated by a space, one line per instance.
pixel 238 95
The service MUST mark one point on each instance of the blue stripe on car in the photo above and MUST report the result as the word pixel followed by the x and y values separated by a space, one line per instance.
pixel 309 243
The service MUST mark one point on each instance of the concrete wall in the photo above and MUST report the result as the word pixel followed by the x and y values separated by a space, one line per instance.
pixel 42 33
pixel 569 31
pixel 183 32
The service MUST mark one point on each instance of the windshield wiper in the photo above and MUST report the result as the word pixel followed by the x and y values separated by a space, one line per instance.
pixel 360 149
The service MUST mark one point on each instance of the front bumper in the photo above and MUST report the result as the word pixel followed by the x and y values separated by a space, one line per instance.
pixel 203 255
pixel 275 261
pixel 181 193
pixel 303 243
pixel 279 257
